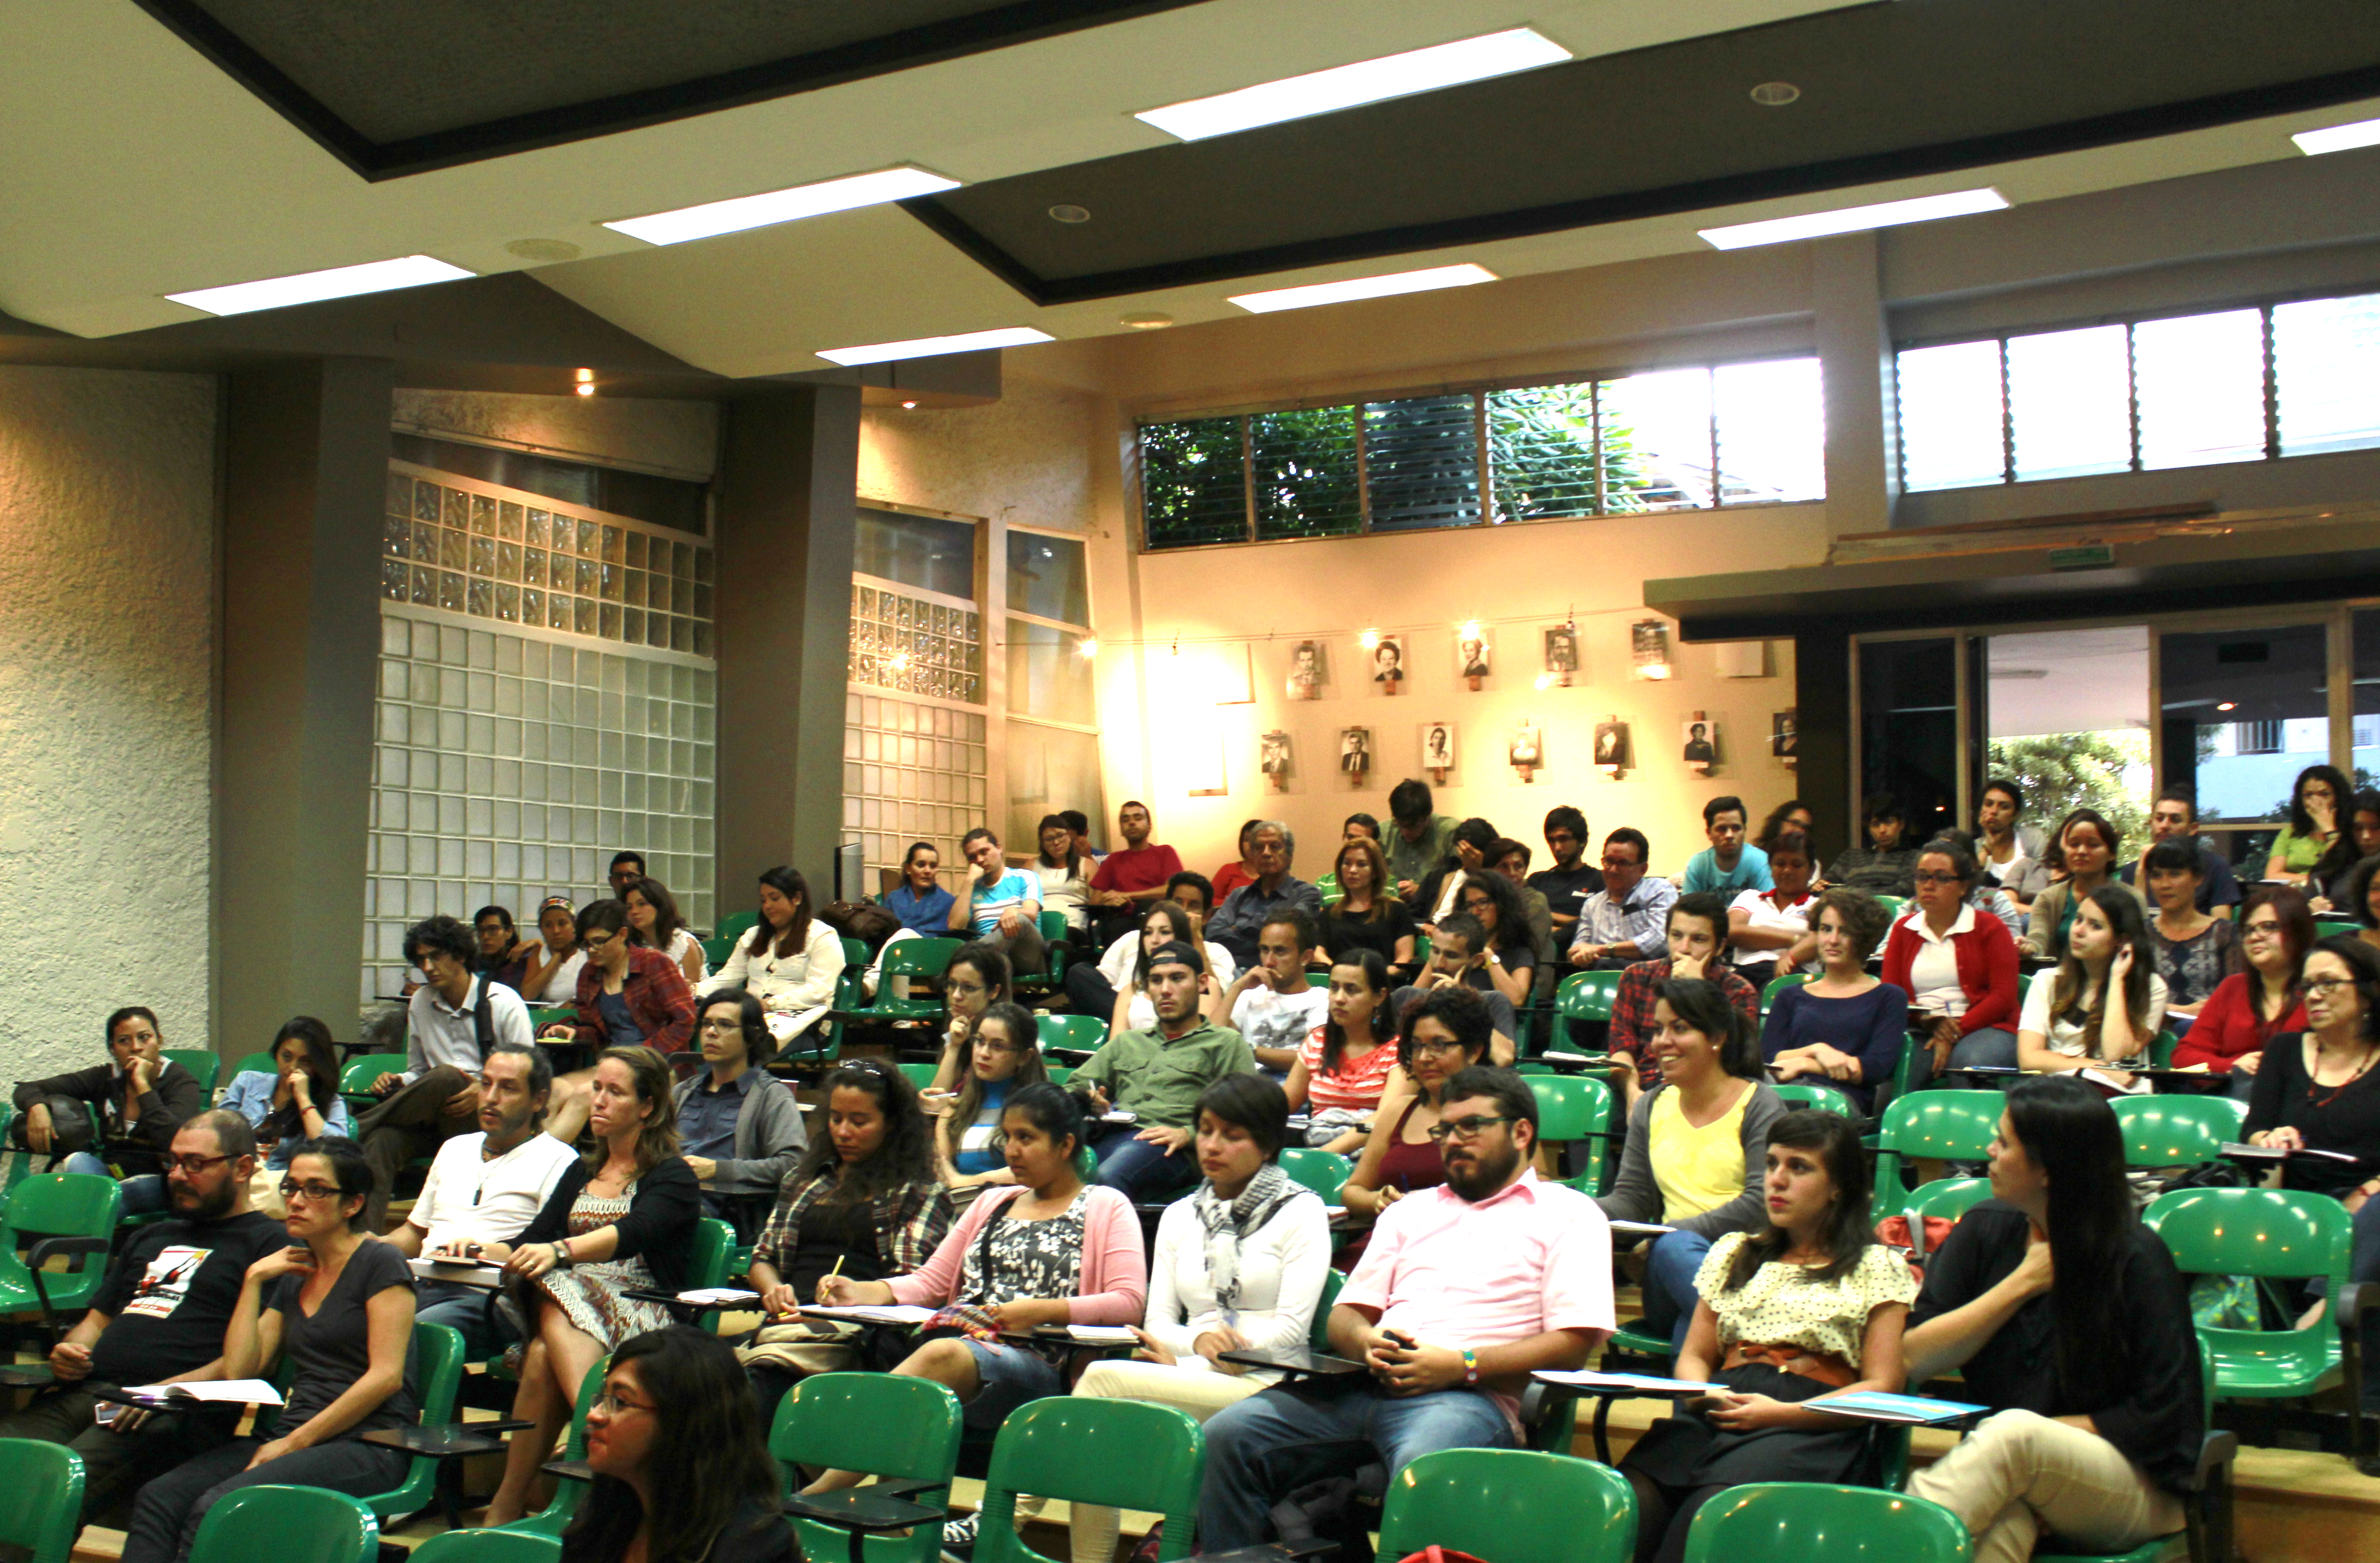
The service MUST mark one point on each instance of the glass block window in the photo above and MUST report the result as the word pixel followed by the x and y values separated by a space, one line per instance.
pixel 902 641
pixel 911 771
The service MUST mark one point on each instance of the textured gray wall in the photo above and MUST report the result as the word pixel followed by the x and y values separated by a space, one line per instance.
pixel 107 590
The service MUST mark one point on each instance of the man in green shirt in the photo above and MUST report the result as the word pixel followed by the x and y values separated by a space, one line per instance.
pixel 1422 841
pixel 1158 1076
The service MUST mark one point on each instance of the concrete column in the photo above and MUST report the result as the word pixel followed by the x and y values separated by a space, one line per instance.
pixel 1822 698
pixel 304 468
pixel 1855 356
pixel 786 508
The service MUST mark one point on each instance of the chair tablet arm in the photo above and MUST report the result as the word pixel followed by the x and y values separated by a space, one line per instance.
pixel 2355 1300
pixel 2216 1456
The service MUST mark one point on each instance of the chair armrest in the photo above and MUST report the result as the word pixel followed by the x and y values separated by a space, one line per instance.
pixel 2355 1300
pixel 2215 1454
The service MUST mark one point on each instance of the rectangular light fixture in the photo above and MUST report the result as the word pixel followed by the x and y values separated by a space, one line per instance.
pixel 1366 82
pixel 306 287
pixel 1314 293
pixel 1856 219
pixel 2339 138
pixel 783 206
pixel 927 346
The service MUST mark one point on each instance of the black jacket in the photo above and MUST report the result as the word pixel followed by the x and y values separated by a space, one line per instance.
pixel 659 1223
pixel 173 1098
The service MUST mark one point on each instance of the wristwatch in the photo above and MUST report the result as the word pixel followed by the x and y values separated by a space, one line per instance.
pixel 562 1260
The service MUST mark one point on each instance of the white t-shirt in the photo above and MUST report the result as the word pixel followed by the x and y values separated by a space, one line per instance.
pixel 1116 967
pixel 1792 918
pixel 1271 1019
pixel 468 1199
pixel 563 986
pixel 684 941
pixel 2066 1036
pixel 1934 970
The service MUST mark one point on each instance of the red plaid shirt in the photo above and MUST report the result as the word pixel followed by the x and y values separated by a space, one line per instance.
pixel 1631 1009
pixel 658 997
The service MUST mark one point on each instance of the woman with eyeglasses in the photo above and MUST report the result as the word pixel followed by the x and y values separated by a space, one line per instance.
pixel 738 1126
pixel 300 1100
pixel 681 1466
pixel 337 1305
pixel 2249 1008
pixel 976 978
pixel 621 1220
pixel 1443 1032
pixel 1958 963
pixel 1005 1056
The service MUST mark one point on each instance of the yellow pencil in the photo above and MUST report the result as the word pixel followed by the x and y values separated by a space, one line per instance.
pixel 838 1265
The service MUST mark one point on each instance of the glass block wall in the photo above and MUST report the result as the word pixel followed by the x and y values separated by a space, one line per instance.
pixel 914 724
pixel 515 754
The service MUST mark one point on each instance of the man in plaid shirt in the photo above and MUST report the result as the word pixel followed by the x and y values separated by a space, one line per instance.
pixel 1697 947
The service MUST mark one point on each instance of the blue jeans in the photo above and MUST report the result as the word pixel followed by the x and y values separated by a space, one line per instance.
pixel 1669 1294
pixel 143 1193
pixel 1991 1048
pixel 1007 1376
pixel 1235 1503
pixel 1140 1170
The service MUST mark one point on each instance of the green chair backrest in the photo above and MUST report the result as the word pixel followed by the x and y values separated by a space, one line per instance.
pixel 1780 1521
pixel 1586 996
pixel 707 1255
pixel 878 1424
pixel 1086 1032
pixel 1087 1163
pixel 1334 1282
pixel 1571 1107
pixel 203 1062
pixel 1934 1125
pixel 437 1374
pixel 1325 1172
pixel 1796 1094
pixel 255 1064
pixel 2266 1232
pixel 289 1525
pixel 735 925
pixel 854 953
pixel 40 1497
pixel 57 1205
pixel 916 957
pixel 1129 1454
pixel 2177 1130
pixel 1778 985
pixel 919 1074
pixel 361 1070
pixel 489 1546
pixel 1059 1073
pixel 716 950
pixel 567 1496
pixel 1514 1506
pixel 2161 1049
pixel 1053 926
pixel 1950 1198
pixel 1893 905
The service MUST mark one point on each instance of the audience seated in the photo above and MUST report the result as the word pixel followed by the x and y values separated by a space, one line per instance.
pixel 2174 817
pixel 550 967
pixel 1628 920
pixel 1792 815
pixel 1511 859
pixel 975 979
pixel 627 997
pixel 1956 964
pixel 1568 884
pixel 1508 953
pixel 680 1460
pixel 864 1203
pixel 299 1099
pixel 1194 894
pixel 1802 1306
pixel 2315 802
pixel 142 1097
pixel 1446 1032
pixel 919 901
pixel 1157 1075
pixel 1423 840
pixel 998 905
pixel 1236 923
pixel 1345 1062
pixel 2065 1315
pixel 789 961
pixel 1769 931
pixel 159 1317
pixel 1239 1266
pixel 1131 878
pixel 1459 959
pixel 738 1126
pixel 2083 853
pixel 1360 825
pixel 1464 1291
pixel 876 930
pixel 2105 1003
pixel 1272 1003
pixel 1730 864
pixel 1843 1030
pixel 1003 1057
pixel 1112 990
pixel 1368 914
pixel 452 1021
pixel 1693 1159
pixel 336 1304
pixel 499 949
pixel 484 1188
pixel 620 1220
pixel 1697 950
pixel 2316 1091
pixel 2360 897
pixel 1241 870
pixel 2249 1008
pixel 655 924
pixel 2194 950
pixel 2008 854
pixel 1441 895
pixel 1984 896
pixel 1063 871
pixel 2331 878
pixel 627 869
pixel 1885 865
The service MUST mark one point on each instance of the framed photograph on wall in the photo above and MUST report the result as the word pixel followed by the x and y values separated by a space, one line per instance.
pixel 1648 648
pixel 1305 670
pixel 1471 655
pixel 1562 653
pixel 1273 758
pixel 1783 734
pixel 1612 743
pixel 1356 750
pixel 1388 662
pixel 1437 748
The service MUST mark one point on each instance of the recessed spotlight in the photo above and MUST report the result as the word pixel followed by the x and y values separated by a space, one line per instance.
pixel 909 406
pixel 1147 320
pixel 2339 138
pixel 1365 81
pixel 583 390
pixel 1856 219
pixel 1362 288
pixel 928 347
pixel 1062 213
pixel 2228 705
pixel 1775 94
pixel 542 250
pixel 781 206
pixel 309 287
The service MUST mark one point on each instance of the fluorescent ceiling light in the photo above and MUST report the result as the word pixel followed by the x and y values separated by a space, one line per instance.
pixel 1362 288
pixel 1856 219
pixel 781 206
pixel 306 287
pixel 2339 138
pixel 927 346
pixel 1366 82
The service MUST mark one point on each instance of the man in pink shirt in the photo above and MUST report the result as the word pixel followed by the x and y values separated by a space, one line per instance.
pixel 1465 1290
pixel 1133 876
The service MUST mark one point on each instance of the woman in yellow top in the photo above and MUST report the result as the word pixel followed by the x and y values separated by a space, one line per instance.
pixel 1694 1145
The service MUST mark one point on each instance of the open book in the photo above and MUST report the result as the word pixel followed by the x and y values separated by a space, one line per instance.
pixel 875 1314
pixel 225 1391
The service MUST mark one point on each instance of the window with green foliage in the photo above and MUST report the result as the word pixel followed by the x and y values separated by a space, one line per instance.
pixel 1745 434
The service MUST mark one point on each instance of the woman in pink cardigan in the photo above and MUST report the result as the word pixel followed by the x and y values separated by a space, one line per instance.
pixel 1050 1250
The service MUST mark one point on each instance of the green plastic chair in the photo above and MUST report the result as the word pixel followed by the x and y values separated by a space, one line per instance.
pixel 355 1081
pixel 1059 1073
pixel 1056 944
pixel 438 1376
pixel 735 925
pixel 716 950
pixel 255 1064
pixel 288 1525
pixel 1571 1108
pixel 1334 1282
pixel 489 1546
pixel 568 1494
pixel 878 1424
pixel 1778 985
pixel 1586 996
pixel 1076 1034
pixel 1935 1126
pixel 40 1497
pixel 57 1204
pixel 910 957
pixel 1128 1454
pixel 2177 1130
pixel 543 1015
pixel 203 1062
pixel 1515 1505
pixel 1322 1171
pixel 1794 1522
pixel 1893 905
pixel 1796 1094
pixel 919 1074
pixel 1950 1198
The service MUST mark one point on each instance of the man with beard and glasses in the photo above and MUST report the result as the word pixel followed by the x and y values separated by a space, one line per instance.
pixel 1465 1291
pixel 159 1317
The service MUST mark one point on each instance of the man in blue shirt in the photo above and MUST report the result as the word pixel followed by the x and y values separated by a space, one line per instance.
pixel 1236 923
pixel 1000 905
pixel 1728 864
pixel 1628 920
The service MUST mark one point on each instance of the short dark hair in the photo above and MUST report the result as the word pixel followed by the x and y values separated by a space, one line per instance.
pixel 751 1019
pixel 1706 1007
pixel 1296 920
pixel 1366 821
pixel 441 934
pixel 1409 801
pixel 1709 905
pixel 1464 926
pixel 1199 882
pixel 1722 804
pixel 2173 855
pixel 1133 804
pixel 981 833
pixel 134 1012
pixel 1954 846
pixel 349 1168
pixel 1475 832
pixel 1629 836
pixel 1254 1103
pixel 636 858
pixel 1504 847
pixel 2185 796
pixel 1509 1091
pixel 1460 1010
pixel 1076 821
pixel 1569 818
pixel 540 1064
pixel 1795 843
pixel 1882 806
pixel 609 915
pixel 1178 952
pixel 234 1136
pixel 502 915
pixel 2001 784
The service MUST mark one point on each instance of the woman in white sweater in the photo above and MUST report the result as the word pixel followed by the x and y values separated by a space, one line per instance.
pixel 789 961
pixel 1239 1266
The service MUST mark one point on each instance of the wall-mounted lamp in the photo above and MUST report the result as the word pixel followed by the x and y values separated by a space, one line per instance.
pixel 586 378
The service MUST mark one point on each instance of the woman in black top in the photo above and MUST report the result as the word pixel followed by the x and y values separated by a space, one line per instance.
pixel 1368 916
pixel 1496 902
pixel 2067 1316
pixel 682 1470
pixel 621 1219
pixel 339 1304
pixel 2318 1089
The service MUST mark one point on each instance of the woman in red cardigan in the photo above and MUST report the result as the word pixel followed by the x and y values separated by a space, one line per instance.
pixel 2249 1008
pixel 1956 962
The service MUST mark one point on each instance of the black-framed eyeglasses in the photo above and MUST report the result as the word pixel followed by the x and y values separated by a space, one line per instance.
pixel 2326 984
pixel 1470 1127
pixel 1434 1048
pixel 1938 879
pixel 721 1028
pixel 193 1165
pixel 313 1188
